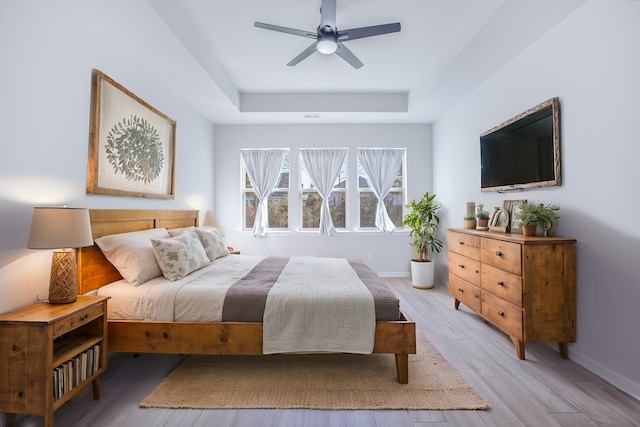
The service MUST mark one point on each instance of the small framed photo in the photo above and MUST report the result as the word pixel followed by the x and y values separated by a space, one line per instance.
pixel 513 208
pixel 132 145
pixel 499 220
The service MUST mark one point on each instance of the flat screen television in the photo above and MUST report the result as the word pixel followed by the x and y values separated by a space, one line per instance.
pixel 523 152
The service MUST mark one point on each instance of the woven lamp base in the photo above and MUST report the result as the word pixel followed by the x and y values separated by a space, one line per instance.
pixel 63 285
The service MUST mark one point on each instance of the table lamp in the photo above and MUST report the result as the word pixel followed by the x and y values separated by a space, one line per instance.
pixel 64 230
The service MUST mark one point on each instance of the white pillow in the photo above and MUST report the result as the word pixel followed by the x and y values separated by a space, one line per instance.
pixel 210 238
pixel 132 254
pixel 180 255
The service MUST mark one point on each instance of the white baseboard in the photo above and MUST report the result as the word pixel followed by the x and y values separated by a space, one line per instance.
pixel 630 387
pixel 392 274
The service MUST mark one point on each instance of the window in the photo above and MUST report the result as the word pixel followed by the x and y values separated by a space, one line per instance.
pixel 311 201
pixel 394 201
pixel 278 201
pixel 379 171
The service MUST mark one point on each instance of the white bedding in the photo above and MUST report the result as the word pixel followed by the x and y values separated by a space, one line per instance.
pixel 316 322
pixel 317 305
pixel 155 299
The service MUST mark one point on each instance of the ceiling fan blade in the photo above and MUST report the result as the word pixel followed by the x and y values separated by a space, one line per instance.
pixel 287 30
pixel 348 56
pixel 362 32
pixel 305 53
pixel 328 13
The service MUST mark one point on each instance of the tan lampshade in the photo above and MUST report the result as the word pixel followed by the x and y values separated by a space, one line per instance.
pixel 64 230
pixel 56 228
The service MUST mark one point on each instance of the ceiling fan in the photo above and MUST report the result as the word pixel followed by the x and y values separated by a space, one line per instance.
pixel 328 39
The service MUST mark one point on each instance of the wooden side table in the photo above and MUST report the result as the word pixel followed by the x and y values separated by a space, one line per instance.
pixel 48 353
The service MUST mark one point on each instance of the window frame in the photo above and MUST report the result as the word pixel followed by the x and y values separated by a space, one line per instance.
pixel 361 190
pixel 345 191
pixel 244 190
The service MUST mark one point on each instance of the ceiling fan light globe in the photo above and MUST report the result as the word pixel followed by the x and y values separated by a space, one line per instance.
pixel 327 47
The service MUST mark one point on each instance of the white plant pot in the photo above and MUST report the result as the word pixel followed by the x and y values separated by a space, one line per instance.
pixel 422 274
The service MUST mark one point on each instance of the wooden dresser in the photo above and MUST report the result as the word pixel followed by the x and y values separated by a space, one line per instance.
pixel 525 286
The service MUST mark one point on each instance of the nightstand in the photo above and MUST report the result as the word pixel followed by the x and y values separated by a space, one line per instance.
pixel 48 353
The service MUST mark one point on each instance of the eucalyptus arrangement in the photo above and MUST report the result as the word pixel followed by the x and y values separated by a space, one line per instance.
pixel 483 219
pixel 483 215
pixel 532 214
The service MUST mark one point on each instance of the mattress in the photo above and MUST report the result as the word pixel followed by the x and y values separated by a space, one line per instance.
pixel 230 289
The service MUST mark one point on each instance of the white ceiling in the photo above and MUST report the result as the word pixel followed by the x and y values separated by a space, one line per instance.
pixel 225 67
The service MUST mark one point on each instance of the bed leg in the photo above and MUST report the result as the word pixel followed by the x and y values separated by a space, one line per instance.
pixel 402 368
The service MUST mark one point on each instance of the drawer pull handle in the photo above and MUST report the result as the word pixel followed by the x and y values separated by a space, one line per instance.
pixel 460 290
pixel 461 265
pixel 461 242
pixel 501 313
pixel 498 253
pixel 500 283
pixel 84 317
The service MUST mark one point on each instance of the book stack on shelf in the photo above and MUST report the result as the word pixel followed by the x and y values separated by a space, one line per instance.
pixel 73 372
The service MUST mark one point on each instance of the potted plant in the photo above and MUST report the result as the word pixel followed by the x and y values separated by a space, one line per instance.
pixel 470 222
pixel 423 222
pixel 547 218
pixel 532 214
pixel 483 219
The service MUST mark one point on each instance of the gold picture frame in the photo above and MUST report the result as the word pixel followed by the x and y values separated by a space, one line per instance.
pixel 131 144
pixel 513 207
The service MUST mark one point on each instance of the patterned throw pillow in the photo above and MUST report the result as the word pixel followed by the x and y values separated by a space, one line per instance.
pixel 212 242
pixel 210 238
pixel 180 255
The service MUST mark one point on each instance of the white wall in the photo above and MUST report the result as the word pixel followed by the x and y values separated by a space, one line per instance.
pixel 48 53
pixel 591 61
pixel 388 254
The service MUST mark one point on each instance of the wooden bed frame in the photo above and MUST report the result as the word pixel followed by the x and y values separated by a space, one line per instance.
pixel 94 271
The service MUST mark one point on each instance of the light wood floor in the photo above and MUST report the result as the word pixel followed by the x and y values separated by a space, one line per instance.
pixel 544 390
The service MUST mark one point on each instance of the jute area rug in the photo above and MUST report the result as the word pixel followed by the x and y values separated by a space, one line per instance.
pixel 327 381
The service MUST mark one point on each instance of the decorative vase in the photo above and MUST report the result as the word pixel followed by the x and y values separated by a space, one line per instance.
pixel 483 224
pixel 471 209
pixel 470 223
pixel 422 273
pixel 529 230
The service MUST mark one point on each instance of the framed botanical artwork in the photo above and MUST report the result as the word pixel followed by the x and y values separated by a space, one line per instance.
pixel 513 207
pixel 131 146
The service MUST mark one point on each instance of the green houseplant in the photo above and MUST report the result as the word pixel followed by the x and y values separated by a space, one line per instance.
pixel 470 222
pixel 423 222
pixel 532 214
pixel 483 219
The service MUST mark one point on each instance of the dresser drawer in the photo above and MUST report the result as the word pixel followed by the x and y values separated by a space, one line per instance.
pixel 77 319
pixel 504 255
pixel 502 284
pixel 464 244
pixel 503 314
pixel 465 292
pixel 466 268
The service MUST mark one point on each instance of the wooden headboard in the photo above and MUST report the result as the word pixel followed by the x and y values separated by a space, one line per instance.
pixel 93 268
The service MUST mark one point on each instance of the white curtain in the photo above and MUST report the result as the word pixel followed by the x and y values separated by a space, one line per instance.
pixel 381 167
pixel 323 166
pixel 263 168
